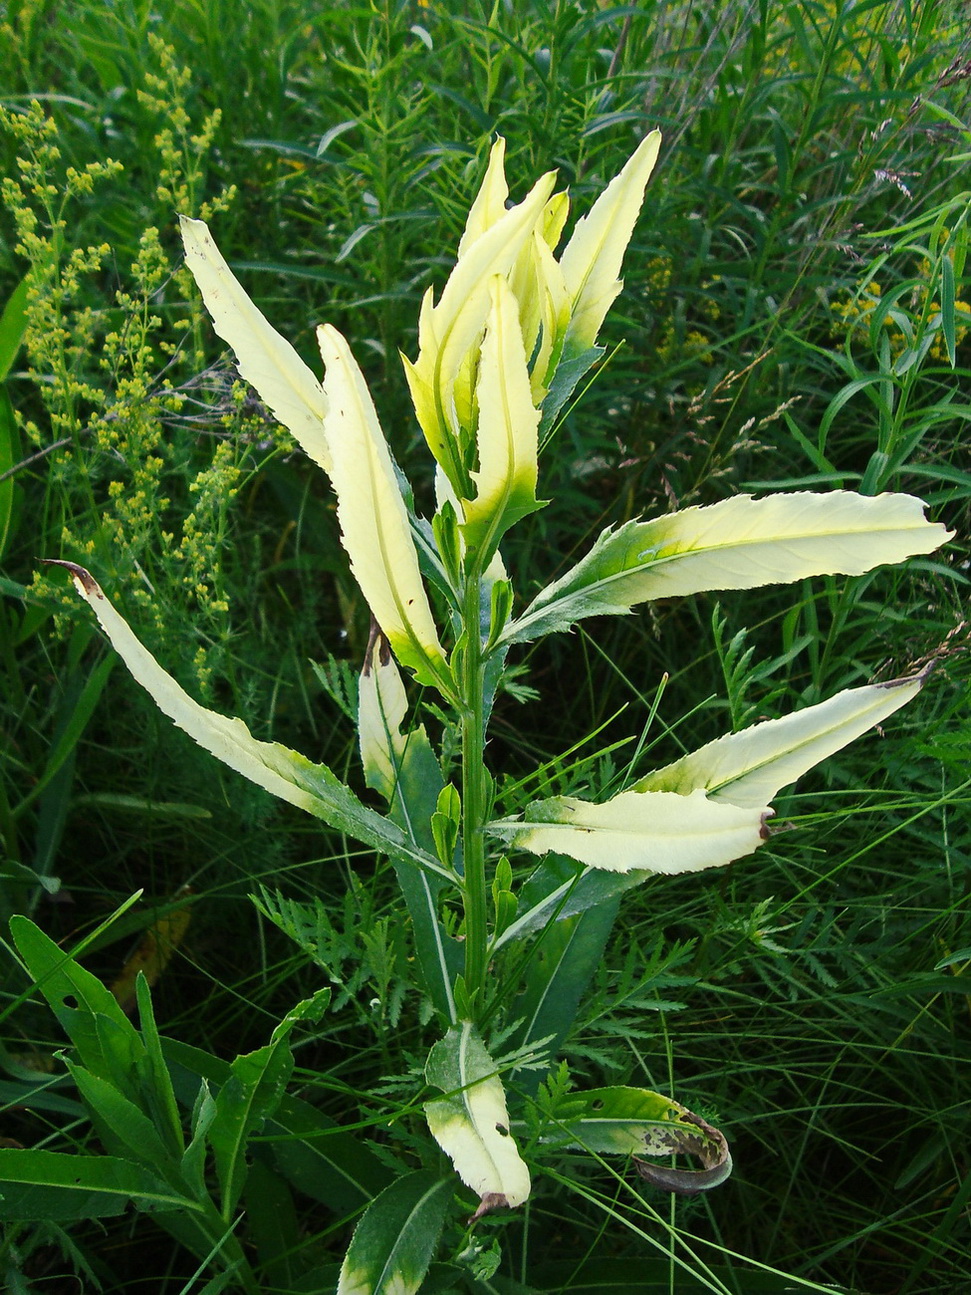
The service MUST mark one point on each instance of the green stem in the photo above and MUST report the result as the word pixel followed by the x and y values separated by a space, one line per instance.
pixel 475 792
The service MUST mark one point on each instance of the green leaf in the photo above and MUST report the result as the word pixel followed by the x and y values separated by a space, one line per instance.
pixel 394 1242
pixel 638 1122
pixel 158 1093
pixel 285 773
pixel 748 768
pixel 403 768
pixel 739 543
pixel 106 1041
pixel 558 889
pixel 123 1128
pixel 470 1123
pixel 560 969
pixel 13 326
pixel 47 1185
pixel 9 457
pixel 253 1092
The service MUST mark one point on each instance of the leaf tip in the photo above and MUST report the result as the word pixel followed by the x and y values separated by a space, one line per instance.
pixel 84 581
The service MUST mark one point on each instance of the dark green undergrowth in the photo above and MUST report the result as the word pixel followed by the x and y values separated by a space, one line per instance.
pixel 805 230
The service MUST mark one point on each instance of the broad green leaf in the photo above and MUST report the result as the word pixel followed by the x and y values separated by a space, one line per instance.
pixel 506 477
pixel 106 1041
pixel 266 360
pixel 592 259
pixel 638 1122
pixel 310 1150
pixel 739 543
pixel 123 1128
pixel 470 1123
pixel 253 1092
pixel 292 777
pixel 450 331
pixel 49 1185
pixel 561 966
pixel 375 527
pixel 394 1242
pixel 403 768
pixel 749 768
pixel 657 831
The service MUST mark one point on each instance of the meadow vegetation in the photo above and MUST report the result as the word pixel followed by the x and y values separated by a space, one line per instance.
pixel 796 316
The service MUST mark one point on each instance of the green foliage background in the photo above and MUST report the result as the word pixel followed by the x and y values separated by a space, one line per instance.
pixel 816 996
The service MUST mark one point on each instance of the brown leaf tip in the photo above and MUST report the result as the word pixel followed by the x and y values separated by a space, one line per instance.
pixel 82 578
pixel 490 1201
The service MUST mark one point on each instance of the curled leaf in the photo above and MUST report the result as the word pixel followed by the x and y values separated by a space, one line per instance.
pixel 640 1122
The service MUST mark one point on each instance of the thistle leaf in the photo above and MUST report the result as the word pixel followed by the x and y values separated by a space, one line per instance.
pixel 749 768
pixel 265 360
pixel 736 544
pixel 592 259
pixel 375 527
pixel 285 773
pixel 657 831
pixel 470 1123
pixel 507 474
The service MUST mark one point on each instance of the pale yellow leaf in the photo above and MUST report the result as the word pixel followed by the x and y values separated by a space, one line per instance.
pixel 450 333
pixel 592 259
pixel 748 768
pixel 506 434
pixel 657 831
pixel 489 205
pixel 265 360
pixel 375 527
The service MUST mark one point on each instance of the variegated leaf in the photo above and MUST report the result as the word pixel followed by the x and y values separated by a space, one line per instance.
pixel 750 767
pixel 736 544
pixel 285 773
pixel 656 831
pixel 470 1122
pixel 507 473
pixel 592 259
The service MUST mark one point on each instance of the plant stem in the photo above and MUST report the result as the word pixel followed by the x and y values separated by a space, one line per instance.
pixel 475 791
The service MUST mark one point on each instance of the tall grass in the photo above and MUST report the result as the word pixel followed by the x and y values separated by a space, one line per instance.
pixel 818 995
